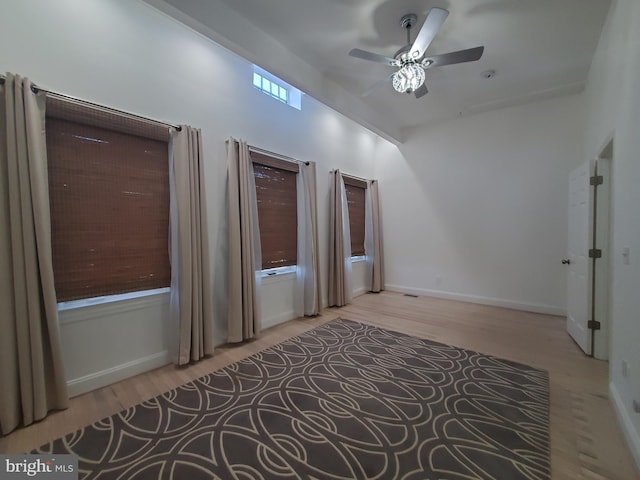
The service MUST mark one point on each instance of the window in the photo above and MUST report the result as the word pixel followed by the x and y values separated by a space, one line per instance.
pixel 109 195
pixel 277 210
pixel 270 88
pixel 355 190
pixel 276 88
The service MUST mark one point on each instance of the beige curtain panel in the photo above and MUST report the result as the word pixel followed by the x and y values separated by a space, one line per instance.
pixel 339 244
pixel 377 270
pixel 245 263
pixel 31 367
pixel 191 293
pixel 308 287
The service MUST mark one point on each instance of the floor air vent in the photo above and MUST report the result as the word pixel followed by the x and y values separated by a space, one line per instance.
pixel 410 295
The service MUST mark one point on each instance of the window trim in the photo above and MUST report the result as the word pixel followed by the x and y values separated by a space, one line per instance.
pixel 355 182
pixel 278 271
pixel 262 158
pixel 114 306
pixel 70 305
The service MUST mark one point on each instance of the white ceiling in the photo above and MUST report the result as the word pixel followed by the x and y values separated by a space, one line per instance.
pixel 538 49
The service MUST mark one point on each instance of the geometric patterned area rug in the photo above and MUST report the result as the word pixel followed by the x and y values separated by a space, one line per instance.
pixel 342 401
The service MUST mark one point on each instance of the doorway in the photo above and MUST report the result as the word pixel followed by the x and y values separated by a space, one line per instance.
pixel 601 303
pixel 589 266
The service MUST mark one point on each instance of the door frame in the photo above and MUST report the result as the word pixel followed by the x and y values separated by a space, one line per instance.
pixel 596 235
pixel 602 267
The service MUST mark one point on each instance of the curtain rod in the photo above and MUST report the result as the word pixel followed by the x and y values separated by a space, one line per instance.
pixel 352 176
pixel 36 89
pixel 272 154
pixel 276 155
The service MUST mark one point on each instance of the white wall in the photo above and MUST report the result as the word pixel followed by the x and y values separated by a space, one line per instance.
pixel 102 344
pixel 473 209
pixel 126 54
pixel 613 111
pixel 278 293
pixel 476 208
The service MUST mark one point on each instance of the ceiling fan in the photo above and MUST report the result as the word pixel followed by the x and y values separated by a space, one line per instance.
pixel 411 59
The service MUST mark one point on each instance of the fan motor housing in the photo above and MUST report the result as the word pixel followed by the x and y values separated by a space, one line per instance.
pixel 401 52
pixel 409 20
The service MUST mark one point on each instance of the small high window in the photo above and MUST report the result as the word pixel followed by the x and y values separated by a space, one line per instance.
pixel 276 88
pixel 270 88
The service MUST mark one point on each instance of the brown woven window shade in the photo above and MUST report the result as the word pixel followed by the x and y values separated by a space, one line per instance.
pixel 94 115
pixel 277 210
pixel 109 194
pixel 355 190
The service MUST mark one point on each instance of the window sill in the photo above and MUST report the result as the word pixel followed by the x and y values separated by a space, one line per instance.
pixel 274 272
pixel 358 258
pixel 89 302
pixel 279 274
pixel 91 308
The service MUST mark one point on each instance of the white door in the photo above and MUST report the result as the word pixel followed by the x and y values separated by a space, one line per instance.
pixel 579 264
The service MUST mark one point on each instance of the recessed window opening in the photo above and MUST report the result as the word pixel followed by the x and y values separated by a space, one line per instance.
pixel 276 195
pixel 356 192
pixel 109 201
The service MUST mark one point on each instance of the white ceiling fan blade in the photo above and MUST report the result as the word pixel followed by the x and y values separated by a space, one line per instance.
pixel 376 85
pixel 461 56
pixel 421 91
pixel 374 57
pixel 435 19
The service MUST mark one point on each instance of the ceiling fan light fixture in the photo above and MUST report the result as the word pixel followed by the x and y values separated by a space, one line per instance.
pixel 408 78
pixel 410 59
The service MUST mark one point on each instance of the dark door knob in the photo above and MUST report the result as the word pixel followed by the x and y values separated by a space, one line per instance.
pixel 566 261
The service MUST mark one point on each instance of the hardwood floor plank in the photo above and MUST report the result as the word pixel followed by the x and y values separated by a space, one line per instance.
pixel 586 442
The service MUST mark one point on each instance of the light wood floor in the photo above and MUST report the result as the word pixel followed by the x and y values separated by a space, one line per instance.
pixel 586 442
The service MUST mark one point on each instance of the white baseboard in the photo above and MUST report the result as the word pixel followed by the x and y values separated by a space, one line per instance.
pixel 78 386
pixel 496 302
pixel 277 319
pixel 359 291
pixel 630 433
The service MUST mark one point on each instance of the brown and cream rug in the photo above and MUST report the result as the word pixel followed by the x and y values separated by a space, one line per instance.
pixel 342 401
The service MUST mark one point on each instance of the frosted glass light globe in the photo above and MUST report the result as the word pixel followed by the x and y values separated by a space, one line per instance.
pixel 409 78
